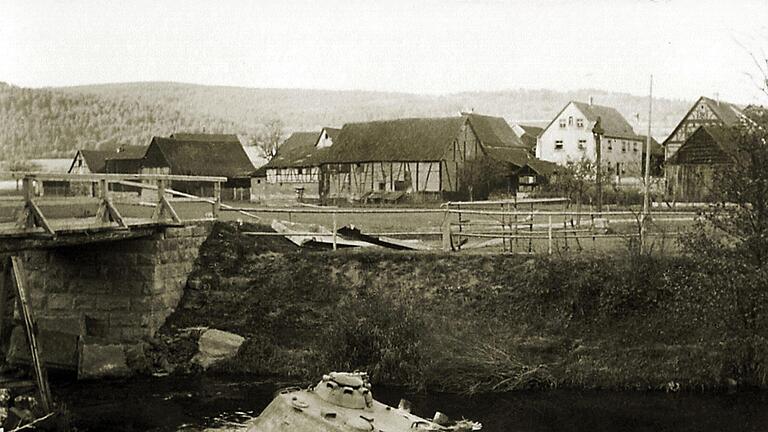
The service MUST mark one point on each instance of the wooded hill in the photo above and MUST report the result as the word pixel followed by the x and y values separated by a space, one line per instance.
pixel 54 122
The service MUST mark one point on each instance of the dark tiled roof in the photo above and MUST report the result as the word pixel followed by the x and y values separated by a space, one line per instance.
pixel 411 139
pixel 129 152
pixel 520 157
pixel 706 145
pixel 95 159
pixel 333 133
pixel 493 131
pixel 205 158
pixel 656 148
pixel 614 124
pixel 187 136
pixel 298 151
pixel 730 114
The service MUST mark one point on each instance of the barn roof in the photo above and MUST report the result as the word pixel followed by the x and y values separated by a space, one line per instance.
pixel 95 159
pixel 129 152
pixel 520 157
pixel 529 135
pixel 614 124
pixel 493 131
pixel 333 133
pixel 205 158
pixel 188 136
pixel 410 139
pixel 706 145
pixel 298 151
pixel 728 113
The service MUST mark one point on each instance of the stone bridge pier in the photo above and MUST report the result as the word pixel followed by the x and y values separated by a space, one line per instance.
pixel 119 291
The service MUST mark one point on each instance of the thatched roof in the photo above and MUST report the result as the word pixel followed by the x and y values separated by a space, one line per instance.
pixel 204 158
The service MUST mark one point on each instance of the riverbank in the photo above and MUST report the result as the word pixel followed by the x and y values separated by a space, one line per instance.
pixel 471 323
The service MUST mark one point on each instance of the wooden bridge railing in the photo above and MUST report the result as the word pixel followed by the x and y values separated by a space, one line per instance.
pixel 32 218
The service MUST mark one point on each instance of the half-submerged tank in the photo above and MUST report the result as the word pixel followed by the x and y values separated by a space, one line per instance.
pixel 342 402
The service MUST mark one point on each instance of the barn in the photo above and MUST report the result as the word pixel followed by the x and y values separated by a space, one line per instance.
pixel 198 157
pixel 423 158
pixel 697 160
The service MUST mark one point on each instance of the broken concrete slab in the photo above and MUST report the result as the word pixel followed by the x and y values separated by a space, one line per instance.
pixel 215 346
pixel 102 361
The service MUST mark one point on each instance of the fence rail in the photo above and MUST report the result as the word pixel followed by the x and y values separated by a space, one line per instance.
pixel 518 230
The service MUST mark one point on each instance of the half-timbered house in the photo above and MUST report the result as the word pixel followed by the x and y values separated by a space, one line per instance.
pixel 423 157
pixel 294 171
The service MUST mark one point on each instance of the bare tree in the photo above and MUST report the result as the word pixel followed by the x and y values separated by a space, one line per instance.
pixel 268 138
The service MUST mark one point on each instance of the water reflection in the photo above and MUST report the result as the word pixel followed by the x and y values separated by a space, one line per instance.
pixel 227 403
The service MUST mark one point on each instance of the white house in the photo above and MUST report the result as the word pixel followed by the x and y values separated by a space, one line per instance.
pixel 568 139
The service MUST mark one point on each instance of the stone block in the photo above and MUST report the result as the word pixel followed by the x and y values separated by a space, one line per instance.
pixel 215 346
pixel 85 302
pixel 71 325
pixel 57 349
pixel 59 302
pixel 121 319
pixel 102 361
pixel 112 302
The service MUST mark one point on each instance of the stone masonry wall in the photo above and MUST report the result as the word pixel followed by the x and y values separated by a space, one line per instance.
pixel 121 291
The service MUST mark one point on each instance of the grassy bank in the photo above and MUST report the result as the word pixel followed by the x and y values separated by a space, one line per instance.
pixel 477 322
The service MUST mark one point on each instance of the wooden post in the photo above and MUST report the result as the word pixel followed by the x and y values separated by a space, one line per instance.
pixel 530 239
pixel 549 236
pixel 458 237
pixel 334 230
pixel 446 232
pixel 5 285
pixel 216 199
pixel 516 221
pixel 29 325
pixel 158 213
pixel 503 230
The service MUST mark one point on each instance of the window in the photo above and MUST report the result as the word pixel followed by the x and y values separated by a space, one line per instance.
pixel 562 123
pixel 301 171
pixel 570 120
pixel 559 145
pixel 579 122
pixel 582 144
pixel 610 145
pixel 634 147
pixel 623 146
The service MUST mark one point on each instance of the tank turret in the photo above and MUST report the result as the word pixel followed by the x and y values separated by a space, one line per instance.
pixel 343 402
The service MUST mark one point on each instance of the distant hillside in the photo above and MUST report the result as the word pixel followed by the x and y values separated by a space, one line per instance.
pixel 53 122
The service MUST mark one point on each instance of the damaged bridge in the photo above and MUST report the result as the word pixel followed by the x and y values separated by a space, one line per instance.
pixel 109 267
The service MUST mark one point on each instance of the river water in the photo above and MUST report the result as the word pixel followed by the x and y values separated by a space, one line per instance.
pixel 227 403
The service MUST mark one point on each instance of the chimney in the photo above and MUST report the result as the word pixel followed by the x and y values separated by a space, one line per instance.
pixel 591 100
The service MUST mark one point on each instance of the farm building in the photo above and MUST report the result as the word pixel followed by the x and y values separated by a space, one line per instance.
pixel 202 158
pixel 528 134
pixel 697 160
pixel 705 112
pixel 568 139
pixel 294 172
pixel 429 158
pixel 124 160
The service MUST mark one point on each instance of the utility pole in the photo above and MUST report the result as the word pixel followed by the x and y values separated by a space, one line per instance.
pixel 598 131
pixel 646 197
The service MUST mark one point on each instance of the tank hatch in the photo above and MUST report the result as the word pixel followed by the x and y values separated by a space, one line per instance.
pixel 346 389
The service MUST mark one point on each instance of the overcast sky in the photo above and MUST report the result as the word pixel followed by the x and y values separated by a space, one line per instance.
pixel 692 47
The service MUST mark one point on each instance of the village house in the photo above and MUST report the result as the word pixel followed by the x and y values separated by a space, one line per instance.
pixel 200 157
pixel 294 172
pixel 427 158
pixel 568 139
pixel 696 161
pixel 705 112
